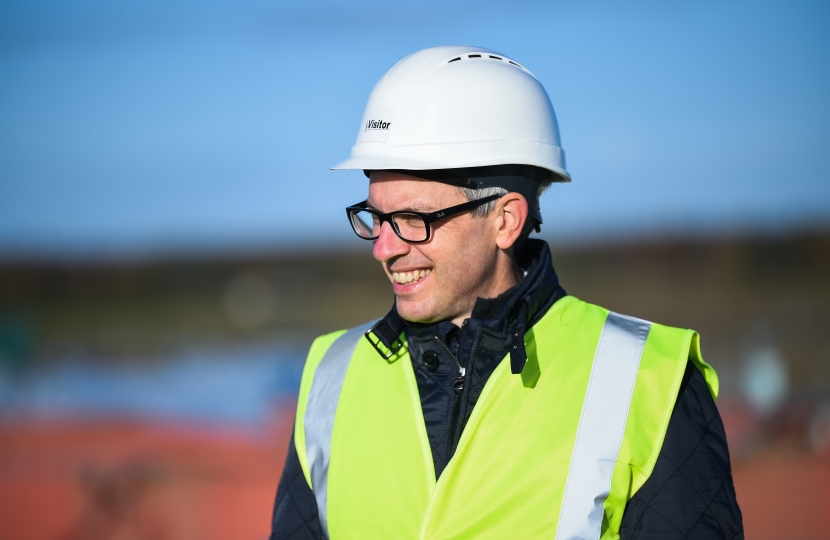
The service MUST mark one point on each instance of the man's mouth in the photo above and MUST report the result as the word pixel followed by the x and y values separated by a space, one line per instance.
pixel 413 276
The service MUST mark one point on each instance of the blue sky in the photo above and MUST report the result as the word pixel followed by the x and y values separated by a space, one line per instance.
pixel 165 126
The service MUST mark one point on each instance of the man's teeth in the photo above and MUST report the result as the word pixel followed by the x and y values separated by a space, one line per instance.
pixel 410 277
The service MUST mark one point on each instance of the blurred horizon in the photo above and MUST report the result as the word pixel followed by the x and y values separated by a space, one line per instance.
pixel 160 127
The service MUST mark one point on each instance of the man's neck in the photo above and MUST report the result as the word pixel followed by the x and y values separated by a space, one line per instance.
pixel 507 275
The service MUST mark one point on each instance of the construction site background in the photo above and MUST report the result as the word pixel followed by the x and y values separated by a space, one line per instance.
pixel 154 398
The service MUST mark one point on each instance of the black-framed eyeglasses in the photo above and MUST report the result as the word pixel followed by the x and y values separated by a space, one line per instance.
pixel 412 227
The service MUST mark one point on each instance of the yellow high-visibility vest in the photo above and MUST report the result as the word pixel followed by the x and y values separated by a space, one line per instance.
pixel 555 452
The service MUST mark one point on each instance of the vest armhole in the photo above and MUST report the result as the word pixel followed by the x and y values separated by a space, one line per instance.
pixel 691 353
pixel 681 361
pixel 708 372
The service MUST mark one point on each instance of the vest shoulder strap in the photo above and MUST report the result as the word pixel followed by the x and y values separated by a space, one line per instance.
pixel 601 425
pixel 326 367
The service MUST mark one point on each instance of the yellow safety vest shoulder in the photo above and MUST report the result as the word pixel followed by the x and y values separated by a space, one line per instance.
pixel 555 452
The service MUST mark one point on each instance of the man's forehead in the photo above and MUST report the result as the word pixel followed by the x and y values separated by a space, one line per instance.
pixel 393 190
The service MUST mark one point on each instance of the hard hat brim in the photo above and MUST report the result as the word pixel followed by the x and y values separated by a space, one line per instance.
pixel 457 156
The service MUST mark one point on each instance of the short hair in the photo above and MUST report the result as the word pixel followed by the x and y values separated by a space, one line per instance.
pixel 473 194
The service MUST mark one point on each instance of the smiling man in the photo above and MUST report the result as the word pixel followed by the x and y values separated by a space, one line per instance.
pixel 488 403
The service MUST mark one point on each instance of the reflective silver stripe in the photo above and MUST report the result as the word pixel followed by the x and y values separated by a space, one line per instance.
pixel 601 426
pixel 319 413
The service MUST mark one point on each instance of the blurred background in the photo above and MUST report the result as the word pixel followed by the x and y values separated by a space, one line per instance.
pixel 171 239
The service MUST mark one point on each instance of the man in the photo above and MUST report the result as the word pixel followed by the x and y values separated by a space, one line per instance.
pixel 488 403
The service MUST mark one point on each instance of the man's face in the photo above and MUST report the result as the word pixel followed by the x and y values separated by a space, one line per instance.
pixel 457 263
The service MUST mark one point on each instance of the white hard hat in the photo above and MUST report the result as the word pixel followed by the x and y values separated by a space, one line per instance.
pixel 456 107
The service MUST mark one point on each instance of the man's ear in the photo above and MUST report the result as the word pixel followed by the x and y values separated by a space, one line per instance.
pixel 511 215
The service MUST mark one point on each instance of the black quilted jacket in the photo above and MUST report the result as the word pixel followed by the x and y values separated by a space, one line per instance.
pixel 689 494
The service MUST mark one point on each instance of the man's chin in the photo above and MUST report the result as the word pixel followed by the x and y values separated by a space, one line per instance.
pixel 415 312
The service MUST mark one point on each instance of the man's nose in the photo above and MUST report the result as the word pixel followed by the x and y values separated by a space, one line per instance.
pixel 388 244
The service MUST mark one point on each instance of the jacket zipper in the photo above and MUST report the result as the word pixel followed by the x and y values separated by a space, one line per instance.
pixel 456 384
pixel 460 386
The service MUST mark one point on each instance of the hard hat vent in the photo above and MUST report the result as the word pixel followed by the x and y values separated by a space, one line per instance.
pixel 483 56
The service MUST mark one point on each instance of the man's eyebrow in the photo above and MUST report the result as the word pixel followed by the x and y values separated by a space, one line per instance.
pixel 414 207
pixel 418 207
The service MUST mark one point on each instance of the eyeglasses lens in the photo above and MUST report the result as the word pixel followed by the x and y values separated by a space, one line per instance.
pixel 411 227
pixel 365 224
